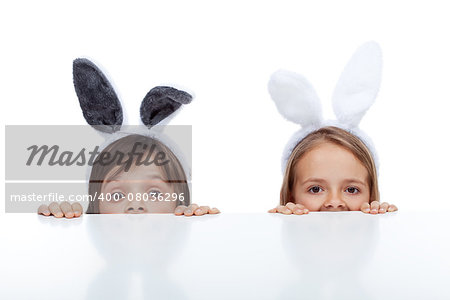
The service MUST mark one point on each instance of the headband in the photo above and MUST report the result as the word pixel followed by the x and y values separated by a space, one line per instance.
pixel 102 110
pixel 354 94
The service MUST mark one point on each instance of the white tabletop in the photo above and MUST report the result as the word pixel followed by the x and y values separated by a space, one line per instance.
pixel 228 256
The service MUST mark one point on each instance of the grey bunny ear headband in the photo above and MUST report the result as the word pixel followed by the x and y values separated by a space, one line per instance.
pixel 354 94
pixel 102 109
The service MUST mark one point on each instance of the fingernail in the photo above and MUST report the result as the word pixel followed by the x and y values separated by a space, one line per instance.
pixel 188 211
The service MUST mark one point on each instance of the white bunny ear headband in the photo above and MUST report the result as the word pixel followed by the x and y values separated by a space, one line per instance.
pixel 102 109
pixel 354 94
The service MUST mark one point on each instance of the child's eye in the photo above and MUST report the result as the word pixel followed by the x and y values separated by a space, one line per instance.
pixel 352 190
pixel 154 193
pixel 315 189
pixel 117 196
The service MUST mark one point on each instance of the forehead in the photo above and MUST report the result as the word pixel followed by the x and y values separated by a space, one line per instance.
pixel 142 172
pixel 330 161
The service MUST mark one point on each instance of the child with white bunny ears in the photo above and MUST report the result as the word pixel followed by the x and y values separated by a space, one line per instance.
pixel 330 165
pixel 103 111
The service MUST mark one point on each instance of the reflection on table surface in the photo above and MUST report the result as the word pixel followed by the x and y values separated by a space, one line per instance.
pixel 345 255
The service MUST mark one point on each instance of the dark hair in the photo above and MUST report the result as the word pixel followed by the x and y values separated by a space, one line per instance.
pixel 173 171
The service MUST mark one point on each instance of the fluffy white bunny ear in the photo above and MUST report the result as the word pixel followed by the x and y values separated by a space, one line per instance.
pixel 358 85
pixel 295 98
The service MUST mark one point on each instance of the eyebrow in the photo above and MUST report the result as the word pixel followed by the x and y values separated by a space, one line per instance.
pixel 313 179
pixel 356 181
pixel 149 177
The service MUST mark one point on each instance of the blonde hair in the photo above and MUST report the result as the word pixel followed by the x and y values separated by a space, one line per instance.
pixel 339 137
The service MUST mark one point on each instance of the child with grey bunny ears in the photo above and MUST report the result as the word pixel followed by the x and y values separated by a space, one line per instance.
pixel 330 165
pixel 114 187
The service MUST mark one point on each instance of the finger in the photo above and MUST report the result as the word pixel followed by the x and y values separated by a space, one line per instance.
pixel 190 210
pixel 279 208
pixel 205 208
pixel 374 206
pixel 77 209
pixel 383 207
pixel 291 206
pixel 179 210
pixel 300 209
pixel 392 208
pixel 67 209
pixel 201 210
pixel 214 211
pixel 365 208
pixel 55 210
pixel 43 210
pixel 284 210
pixel 273 210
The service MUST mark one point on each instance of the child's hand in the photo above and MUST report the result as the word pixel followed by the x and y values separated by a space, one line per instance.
pixel 63 209
pixel 290 208
pixel 194 209
pixel 376 208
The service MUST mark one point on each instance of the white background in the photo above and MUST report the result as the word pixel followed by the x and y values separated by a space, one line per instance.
pixel 225 53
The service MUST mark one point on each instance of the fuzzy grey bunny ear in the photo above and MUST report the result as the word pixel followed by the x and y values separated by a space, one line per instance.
pixel 99 103
pixel 161 102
